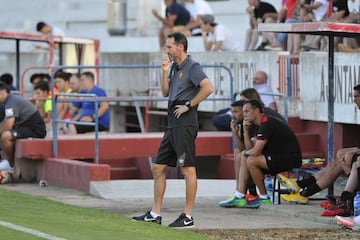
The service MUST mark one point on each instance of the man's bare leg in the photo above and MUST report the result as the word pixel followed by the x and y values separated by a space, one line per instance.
pixel 191 188
pixel 159 174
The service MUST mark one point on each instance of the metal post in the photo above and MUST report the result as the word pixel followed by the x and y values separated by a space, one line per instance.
pixel 17 64
pixel 331 100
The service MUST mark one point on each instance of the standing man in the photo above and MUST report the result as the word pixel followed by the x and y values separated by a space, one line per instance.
pixel 176 18
pixel 276 150
pixel 22 120
pixel 186 85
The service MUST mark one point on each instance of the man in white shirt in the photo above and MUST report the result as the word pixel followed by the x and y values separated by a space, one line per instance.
pixel 218 37
pixel 197 9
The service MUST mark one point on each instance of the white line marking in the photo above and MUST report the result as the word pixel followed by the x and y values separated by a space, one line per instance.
pixel 30 231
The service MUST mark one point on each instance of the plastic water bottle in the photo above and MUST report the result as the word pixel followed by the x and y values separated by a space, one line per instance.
pixel 357 204
pixel 269 186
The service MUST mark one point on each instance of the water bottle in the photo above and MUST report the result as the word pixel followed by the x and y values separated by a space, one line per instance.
pixel 357 204
pixel 269 186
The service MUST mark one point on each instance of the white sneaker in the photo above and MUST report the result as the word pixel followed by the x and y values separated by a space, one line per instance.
pixel 5 166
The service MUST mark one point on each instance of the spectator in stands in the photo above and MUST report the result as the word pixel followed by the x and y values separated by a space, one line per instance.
pixel 260 83
pixel 8 79
pixel 290 13
pixel 351 44
pixel 43 101
pixel 347 198
pixel 274 150
pixel 22 120
pixel 197 9
pixel 75 88
pixel 176 18
pixel 186 85
pixel 34 78
pixel 87 108
pixel 322 179
pixel 62 83
pixel 261 12
pixel 217 37
pixel 74 83
pixel 47 29
pixel 316 12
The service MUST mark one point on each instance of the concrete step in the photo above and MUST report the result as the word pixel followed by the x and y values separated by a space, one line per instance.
pixel 122 189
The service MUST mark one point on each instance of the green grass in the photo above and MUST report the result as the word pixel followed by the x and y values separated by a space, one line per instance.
pixel 78 223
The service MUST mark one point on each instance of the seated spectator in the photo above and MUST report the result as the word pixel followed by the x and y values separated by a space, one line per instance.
pixel 290 13
pixel 263 12
pixel 75 88
pixel 87 108
pixel 260 83
pixel 275 149
pixel 74 83
pixel 62 83
pixel 43 101
pixel 304 188
pixel 316 12
pixel 197 9
pixel 176 18
pixel 22 120
pixel 8 79
pixel 217 37
pixel 351 44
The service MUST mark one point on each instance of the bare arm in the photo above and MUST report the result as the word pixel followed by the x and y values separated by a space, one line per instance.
pixel 206 88
pixel 165 76
pixel 257 149
pixel 235 128
pixel 7 125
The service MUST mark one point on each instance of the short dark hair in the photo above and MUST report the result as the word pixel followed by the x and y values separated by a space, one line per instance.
pixel 42 85
pixel 7 78
pixel 256 104
pixel 4 86
pixel 64 75
pixel 357 88
pixel 88 74
pixel 40 25
pixel 179 38
pixel 239 103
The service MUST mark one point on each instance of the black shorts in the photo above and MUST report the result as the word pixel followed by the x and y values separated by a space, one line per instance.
pixel 34 127
pixel 178 143
pixel 88 128
pixel 278 163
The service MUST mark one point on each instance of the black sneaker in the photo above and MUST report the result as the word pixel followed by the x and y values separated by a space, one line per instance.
pixel 148 218
pixel 183 222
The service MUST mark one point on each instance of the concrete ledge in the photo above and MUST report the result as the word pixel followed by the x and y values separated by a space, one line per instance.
pixel 74 174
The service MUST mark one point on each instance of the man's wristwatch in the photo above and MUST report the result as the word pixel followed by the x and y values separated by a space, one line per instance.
pixel 187 103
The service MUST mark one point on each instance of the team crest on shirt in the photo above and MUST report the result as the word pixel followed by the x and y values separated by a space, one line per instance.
pixel 180 74
pixel 9 112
